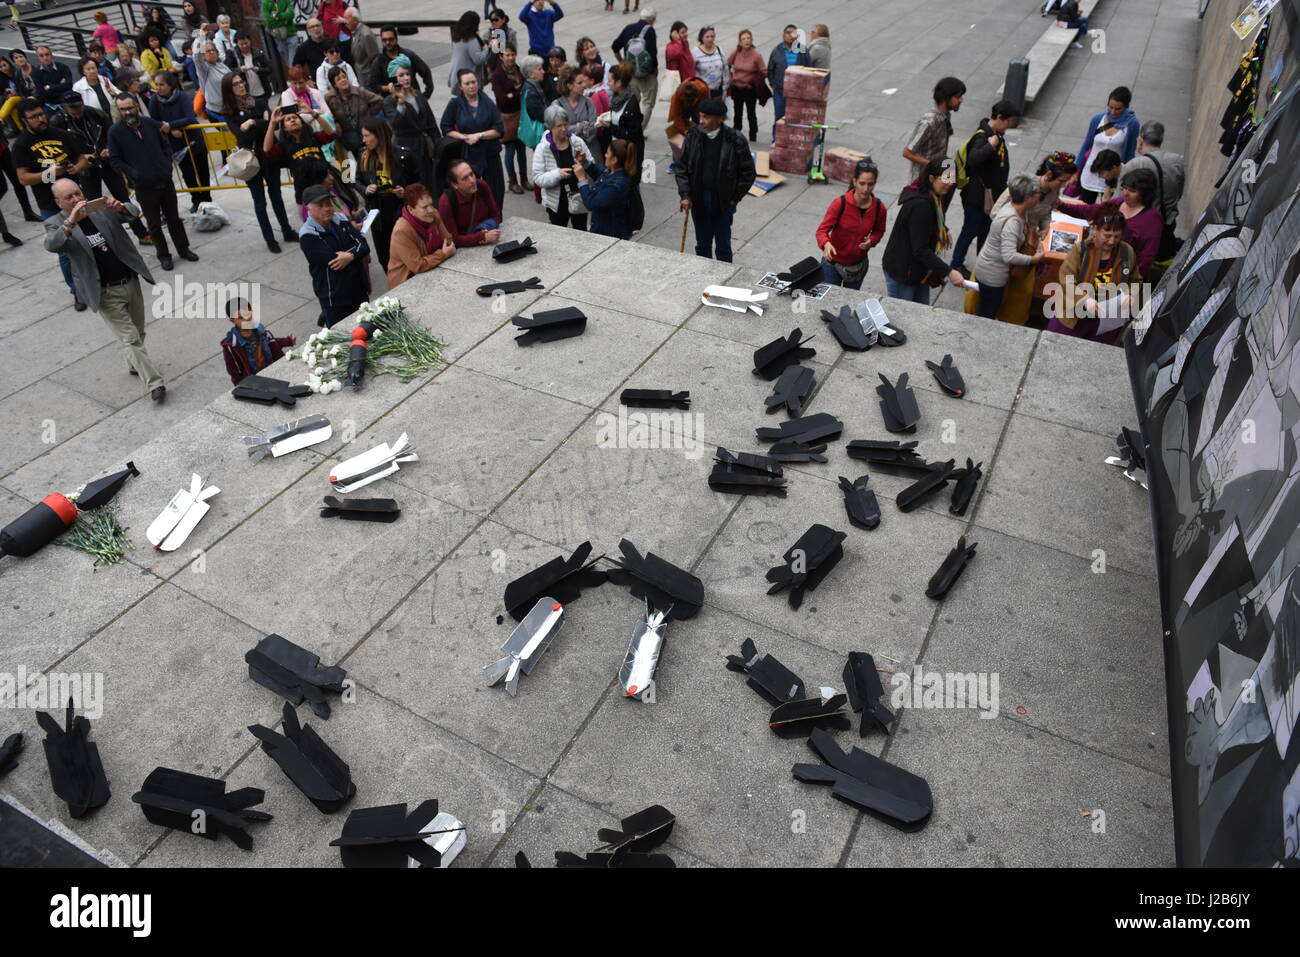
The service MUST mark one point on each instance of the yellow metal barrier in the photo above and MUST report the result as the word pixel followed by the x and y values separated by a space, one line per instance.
pixel 218 139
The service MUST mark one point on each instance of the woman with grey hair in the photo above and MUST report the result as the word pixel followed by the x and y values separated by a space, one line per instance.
pixel 553 163
pixel 224 38
pixel 1002 248
pixel 532 97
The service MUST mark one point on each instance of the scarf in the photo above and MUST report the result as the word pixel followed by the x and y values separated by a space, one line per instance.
pixel 428 232
pixel 619 100
pixel 943 227
pixel 396 63
pixel 169 100
pixel 245 103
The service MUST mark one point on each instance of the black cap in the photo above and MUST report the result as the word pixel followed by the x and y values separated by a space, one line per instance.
pixel 714 106
pixel 316 194
pixel 72 98
pixel 557 51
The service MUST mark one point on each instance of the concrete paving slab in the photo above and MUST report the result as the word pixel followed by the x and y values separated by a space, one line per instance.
pixel 42 416
pixel 727 398
pixel 703 750
pixel 1084 388
pixel 584 369
pixel 106 441
pixel 1009 795
pixel 167 701
pixel 429 656
pixel 560 253
pixel 1052 486
pixel 554 820
pixel 877 591
pixel 395 757
pixel 949 428
pixel 472 468
pixel 35 342
pixel 640 281
pixel 991 356
pixel 1041 638
pixel 596 487
pixel 211 446
pixel 335 580
pixel 41 624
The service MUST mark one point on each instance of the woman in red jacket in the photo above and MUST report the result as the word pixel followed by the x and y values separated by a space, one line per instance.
pixel 853 224
pixel 677 52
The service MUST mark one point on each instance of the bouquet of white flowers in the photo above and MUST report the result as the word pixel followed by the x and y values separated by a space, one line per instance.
pixel 395 337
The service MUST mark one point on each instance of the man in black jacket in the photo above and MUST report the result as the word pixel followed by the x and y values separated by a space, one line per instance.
pixel 139 151
pixel 336 256
pixel 92 126
pixel 311 52
pixel 380 82
pixel 987 166
pixel 51 79
pixel 714 173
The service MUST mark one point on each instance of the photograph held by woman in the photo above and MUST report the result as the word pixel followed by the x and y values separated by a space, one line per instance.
pixel 385 170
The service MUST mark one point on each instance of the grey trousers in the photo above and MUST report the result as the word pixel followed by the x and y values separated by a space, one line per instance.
pixel 122 309
pixel 646 89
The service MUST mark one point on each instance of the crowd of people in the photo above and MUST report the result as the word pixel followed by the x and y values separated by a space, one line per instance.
pixel 1122 183
pixel 377 170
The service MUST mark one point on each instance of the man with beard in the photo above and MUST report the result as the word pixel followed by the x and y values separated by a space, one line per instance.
pixel 139 151
pixel 91 125
pixel 929 139
pixel 379 80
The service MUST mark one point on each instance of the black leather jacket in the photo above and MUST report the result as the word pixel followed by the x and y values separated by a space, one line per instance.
pixel 735 164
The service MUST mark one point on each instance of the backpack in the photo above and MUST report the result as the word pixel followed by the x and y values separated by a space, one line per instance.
pixel 642 59
pixel 961 159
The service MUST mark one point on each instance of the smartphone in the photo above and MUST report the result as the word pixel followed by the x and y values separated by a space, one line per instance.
pixel 97 205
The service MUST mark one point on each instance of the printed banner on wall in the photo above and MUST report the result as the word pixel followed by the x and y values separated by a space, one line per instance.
pixel 1216 374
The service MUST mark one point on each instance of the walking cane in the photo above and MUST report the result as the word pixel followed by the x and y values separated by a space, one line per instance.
pixel 686 218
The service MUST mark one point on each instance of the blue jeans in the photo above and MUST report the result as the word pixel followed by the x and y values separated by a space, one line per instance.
pixel 712 218
pixel 902 290
pixel 65 265
pixel 831 276
pixel 1082 25
pixel 974 228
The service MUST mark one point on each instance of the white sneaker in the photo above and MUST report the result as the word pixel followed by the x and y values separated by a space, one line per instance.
pixel 1077 45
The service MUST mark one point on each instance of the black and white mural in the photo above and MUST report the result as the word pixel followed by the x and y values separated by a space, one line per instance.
pixel 1215 365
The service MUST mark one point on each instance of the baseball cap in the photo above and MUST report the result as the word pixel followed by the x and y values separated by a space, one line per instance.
pixel 316 194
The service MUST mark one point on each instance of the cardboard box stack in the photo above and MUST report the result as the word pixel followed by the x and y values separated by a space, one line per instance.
pixel 805 104
pixel 840 161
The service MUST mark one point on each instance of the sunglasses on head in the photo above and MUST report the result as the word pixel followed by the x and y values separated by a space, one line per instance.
pixel 1107 220
pixel 865 166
